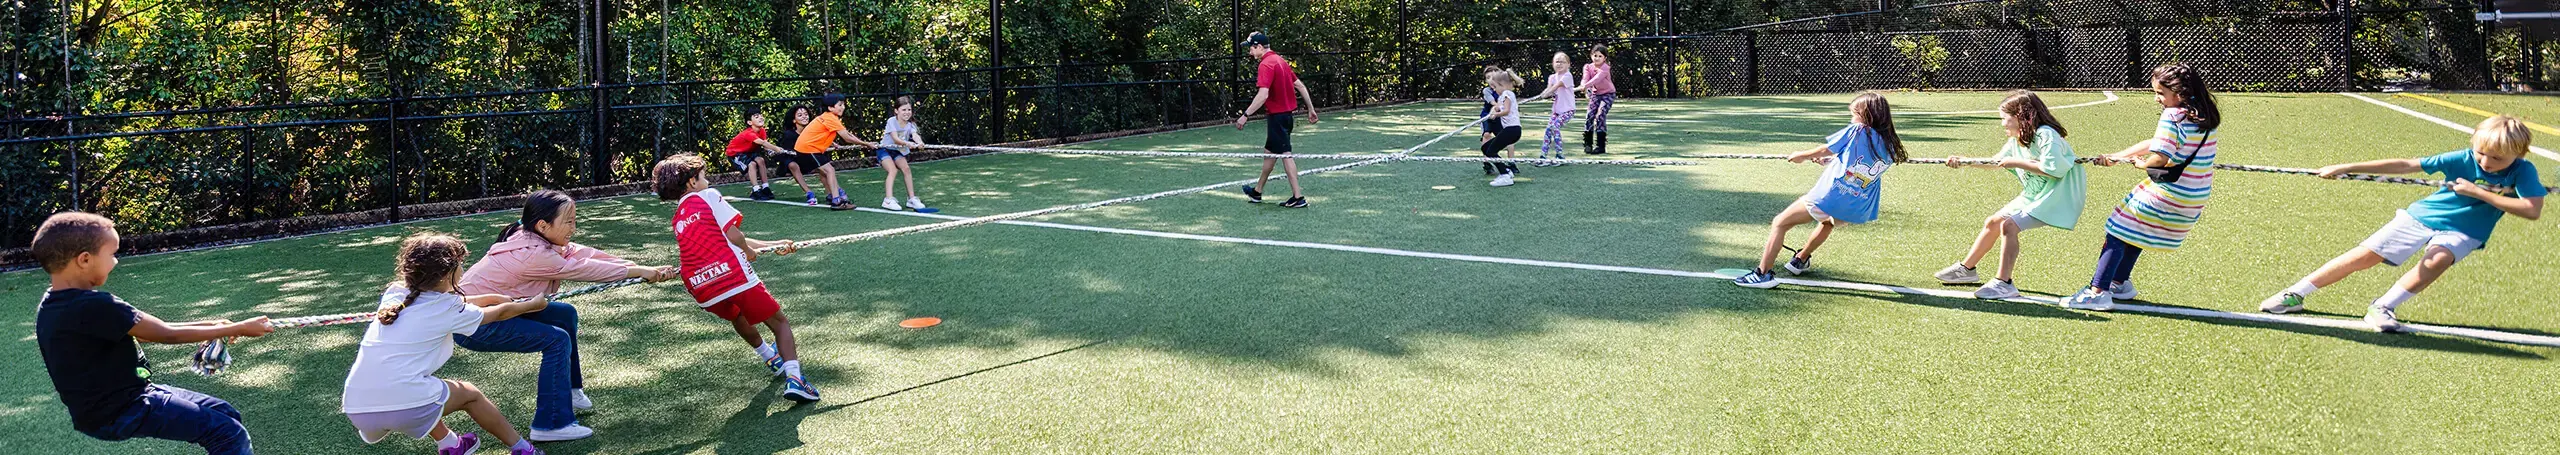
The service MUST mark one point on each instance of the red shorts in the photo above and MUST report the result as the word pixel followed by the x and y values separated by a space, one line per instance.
pixel 755 305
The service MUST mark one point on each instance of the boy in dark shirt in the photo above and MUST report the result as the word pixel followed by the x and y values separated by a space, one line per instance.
pixel 87 337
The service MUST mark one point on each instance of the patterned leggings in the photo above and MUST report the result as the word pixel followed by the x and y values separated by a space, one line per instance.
pixel 1600 105
pixel 1555 134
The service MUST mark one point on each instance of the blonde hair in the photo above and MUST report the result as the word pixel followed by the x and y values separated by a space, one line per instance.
pixel 2503 136
pixel 1508 77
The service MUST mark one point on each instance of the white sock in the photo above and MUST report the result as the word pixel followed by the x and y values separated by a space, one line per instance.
pixel 2302 288
pixel 791 368
pixel 2392 300
pixel 766 350
pixel 451 439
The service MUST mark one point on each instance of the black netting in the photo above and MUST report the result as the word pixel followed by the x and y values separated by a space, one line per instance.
pixel 2445 54
pixel 1969 59
pixel 1713 65
pixel 2085 57
pixel 1831 62
pixel 2253 57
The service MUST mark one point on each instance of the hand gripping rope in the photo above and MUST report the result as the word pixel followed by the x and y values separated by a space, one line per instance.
pixel 215 355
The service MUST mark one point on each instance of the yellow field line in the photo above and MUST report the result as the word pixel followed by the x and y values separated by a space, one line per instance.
pixel 2545 129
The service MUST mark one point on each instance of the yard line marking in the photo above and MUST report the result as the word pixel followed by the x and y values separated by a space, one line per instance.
pixel 2111 97
pixel 2333 323
pixel 2546 153
pixel 2545 129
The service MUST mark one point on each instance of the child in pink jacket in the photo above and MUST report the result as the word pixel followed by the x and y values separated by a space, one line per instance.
pixel 531 258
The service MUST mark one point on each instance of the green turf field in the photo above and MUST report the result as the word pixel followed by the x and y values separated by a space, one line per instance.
pixel 1072 341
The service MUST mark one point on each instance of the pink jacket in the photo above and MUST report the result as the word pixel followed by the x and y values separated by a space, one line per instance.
pixel 527 266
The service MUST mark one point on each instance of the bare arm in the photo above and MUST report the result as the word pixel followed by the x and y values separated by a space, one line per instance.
pixel 739 238
pixel 150 328
pixel 1309 100
pixel 1259 95
pixel 2389 166
pixel 2529 209
pixel 2139 153
pixel 1817 154
pixel 770 147
pixel 848 136
pixel 509 310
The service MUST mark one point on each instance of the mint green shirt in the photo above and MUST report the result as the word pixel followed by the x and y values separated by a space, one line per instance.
pixel 2056 200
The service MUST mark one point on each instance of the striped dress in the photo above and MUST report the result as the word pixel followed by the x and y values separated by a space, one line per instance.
pixel 2157 216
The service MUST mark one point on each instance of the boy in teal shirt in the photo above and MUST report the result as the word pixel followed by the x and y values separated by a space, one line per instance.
pixel 2441 229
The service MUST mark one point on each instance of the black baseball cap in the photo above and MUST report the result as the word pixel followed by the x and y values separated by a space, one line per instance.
pixel 1257 38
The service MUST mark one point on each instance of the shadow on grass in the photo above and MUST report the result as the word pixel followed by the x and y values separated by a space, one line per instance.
pixel 2397 340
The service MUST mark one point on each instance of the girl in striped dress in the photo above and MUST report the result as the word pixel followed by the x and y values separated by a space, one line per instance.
pixel 2158 215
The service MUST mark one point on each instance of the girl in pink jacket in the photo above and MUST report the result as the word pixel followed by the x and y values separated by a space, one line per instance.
pixel 532 257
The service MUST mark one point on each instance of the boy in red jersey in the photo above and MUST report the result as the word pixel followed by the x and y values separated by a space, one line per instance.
pixel 714 259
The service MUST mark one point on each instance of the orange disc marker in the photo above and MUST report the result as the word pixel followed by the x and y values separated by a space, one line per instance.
pixel 919 323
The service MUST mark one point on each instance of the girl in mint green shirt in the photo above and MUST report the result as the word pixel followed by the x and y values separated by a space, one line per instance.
pixel 2052 192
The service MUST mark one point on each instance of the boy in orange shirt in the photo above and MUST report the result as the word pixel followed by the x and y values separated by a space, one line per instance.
pixel 820 135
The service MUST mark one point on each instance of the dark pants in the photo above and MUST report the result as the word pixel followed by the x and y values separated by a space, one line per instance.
pixel 1503 138
pixel 552 332
pixel 2115 263
pixel 176 414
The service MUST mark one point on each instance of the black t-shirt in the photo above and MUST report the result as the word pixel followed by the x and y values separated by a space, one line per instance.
pixel 94 362
pixel 785 137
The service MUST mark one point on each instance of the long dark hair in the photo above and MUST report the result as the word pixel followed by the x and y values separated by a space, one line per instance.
pixel 1879 116
pixel 2188 83
pixel 426 259
pixel 539 206
pixel 2027 113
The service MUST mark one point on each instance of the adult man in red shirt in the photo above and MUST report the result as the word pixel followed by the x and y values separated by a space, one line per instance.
pixel 1274 73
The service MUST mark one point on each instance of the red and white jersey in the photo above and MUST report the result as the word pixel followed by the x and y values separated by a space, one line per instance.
pixel 713 268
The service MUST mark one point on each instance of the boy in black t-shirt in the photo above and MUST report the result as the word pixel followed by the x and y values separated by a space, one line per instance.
pixel 87 337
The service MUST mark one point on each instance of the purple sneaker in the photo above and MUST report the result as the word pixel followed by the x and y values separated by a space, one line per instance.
pixel 526 450
pixel 470 442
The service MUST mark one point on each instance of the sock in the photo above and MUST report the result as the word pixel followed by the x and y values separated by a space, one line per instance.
pixel 766 351
pixel 451 439
pixel 2302 288
pixel 791 368
pixel 2392 300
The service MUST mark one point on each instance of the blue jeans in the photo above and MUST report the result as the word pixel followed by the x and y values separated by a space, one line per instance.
pixel 552 332
pixel 165 412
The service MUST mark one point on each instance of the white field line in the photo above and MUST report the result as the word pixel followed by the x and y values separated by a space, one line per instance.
pixel 2111 97
pixel 2334 323
pixel 2546 153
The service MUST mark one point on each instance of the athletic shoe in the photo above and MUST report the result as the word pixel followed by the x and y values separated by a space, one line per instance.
pixel 841 204
pixel 2122 291
pixel 525 451
pixel 2090 299
pixel 1757 279
pixel 470 442
pixel 1252 196
pixel 797 389
pixel 813 199
pixel 1799 266
pixel 1502 180
pixel 1996 290
pixel 890 204
pixel 914 203
pixel 1488 168
pixel 772 362
pixel 1958 274
pixel 572 432
pixel 2383 319
pixel 578 400
pixel 2282 303
pixel 760 194
pixel 1295 203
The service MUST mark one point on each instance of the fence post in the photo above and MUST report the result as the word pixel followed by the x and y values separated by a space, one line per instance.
pixel 995 77
pixel 399 179
pixel 2133 74
pixel 74 148
pixel 2345 40
pixel 1751 62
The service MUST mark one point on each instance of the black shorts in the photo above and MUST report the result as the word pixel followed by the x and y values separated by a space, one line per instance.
pixel 742 159
pixel 808 162
pixel 1276 140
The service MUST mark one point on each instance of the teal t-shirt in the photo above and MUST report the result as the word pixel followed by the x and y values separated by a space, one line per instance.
pixel 2448 211
pixel 2056 200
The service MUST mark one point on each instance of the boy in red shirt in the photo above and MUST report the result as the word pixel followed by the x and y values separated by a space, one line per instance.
pixel 747 151
pixel 714 257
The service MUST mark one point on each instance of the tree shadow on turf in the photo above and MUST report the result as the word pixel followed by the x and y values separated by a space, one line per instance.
pixel 2397 340
pixel 1973 305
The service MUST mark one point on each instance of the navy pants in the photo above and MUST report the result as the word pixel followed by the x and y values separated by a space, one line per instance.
pixel 176 414
pixel 552 332
pixel 2115 263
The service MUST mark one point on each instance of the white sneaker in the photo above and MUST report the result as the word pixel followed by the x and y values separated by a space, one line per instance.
pixel 578 400
pixel 2122 291
pixel 572 432
pixel 1958 274
pixel 890 203
pixel 1996 290
pixel 912 202
pixel 2281 303
pixel 1502 180
pixel 2383 319
pixel 2090 299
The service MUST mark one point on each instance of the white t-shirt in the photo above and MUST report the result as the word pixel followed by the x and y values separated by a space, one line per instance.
pixel 898 129
pixel 396 364
pixel 1562 83
pixel 1511 101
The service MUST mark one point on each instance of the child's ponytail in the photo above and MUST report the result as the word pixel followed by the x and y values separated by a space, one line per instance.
pixel 539 206
pixel 426 261
pixel 1872 108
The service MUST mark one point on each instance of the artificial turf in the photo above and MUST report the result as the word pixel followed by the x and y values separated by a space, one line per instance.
pixel 1082 342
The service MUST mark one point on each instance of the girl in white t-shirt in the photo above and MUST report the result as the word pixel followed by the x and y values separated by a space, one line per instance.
pixel 1560 86
pixel 898 139
pixel 392 388
pixel 1506 115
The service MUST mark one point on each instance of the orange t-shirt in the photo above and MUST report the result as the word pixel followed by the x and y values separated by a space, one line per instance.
pixel 820 134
